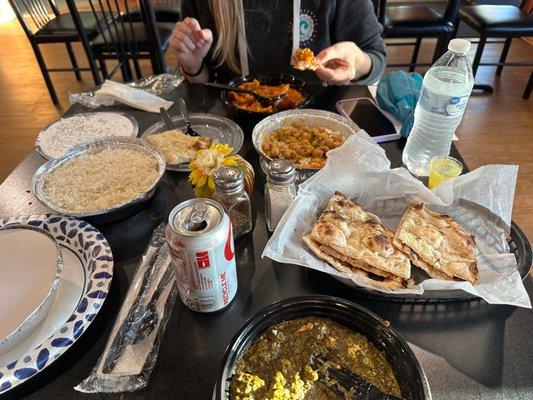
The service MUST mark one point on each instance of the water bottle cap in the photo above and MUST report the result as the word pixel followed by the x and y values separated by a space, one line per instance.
pixel 459 46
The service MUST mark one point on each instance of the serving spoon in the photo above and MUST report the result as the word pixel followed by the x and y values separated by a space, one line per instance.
pixel 166 119
pixel 263 100
pixel 342 382
pixel 185 115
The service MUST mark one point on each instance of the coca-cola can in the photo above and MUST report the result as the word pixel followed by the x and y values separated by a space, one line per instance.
pixel 200 238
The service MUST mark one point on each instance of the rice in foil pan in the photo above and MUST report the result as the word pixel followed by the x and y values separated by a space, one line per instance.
pixel 118 211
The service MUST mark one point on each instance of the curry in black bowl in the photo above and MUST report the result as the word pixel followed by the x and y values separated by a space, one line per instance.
pixel 279 364
pixel 273 355
pixel 294 92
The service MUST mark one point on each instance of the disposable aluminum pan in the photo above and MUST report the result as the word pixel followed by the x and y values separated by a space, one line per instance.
pixel 105 215
pixel 32 321
pixel 410 375
pixel 102 114
pixel 308 116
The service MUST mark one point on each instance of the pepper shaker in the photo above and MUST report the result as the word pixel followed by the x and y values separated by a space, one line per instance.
pixel 230 193
pixel 280 190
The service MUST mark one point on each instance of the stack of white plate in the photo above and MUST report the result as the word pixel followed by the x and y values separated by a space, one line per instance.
pixel 55 273
pixel 30 268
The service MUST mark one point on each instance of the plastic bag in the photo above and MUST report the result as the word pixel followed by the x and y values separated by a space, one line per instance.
pixel 131 350
pixel 398 93
pixel 156 85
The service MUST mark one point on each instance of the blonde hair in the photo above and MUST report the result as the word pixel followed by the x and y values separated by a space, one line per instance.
pixel 229 22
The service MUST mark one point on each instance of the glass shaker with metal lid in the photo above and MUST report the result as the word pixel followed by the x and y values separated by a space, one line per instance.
pixel 229 191
pixel 280 190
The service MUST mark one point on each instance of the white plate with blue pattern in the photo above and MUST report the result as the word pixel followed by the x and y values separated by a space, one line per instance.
pixel 85 282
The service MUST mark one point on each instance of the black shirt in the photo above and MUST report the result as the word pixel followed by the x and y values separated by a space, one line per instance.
pixel 322 24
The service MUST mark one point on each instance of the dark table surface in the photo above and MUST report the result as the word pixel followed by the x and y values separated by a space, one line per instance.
pixel 468 349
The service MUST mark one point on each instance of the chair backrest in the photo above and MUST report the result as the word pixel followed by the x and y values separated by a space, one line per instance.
pixel 450 12
pixel 120 34
pixel 176 3
pixel 34 14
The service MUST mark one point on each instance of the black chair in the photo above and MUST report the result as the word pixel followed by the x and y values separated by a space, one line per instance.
pixel 43 23
pixel 498 21
pixel 418 21
pixel 123 39
pixel 165 11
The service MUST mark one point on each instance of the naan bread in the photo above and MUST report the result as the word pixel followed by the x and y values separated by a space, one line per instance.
pixel 348 229
pixel 177 147
pixel 417 261
pixel 442 248
pixel 321 251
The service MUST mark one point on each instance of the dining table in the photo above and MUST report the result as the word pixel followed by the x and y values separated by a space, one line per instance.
pixel 467 348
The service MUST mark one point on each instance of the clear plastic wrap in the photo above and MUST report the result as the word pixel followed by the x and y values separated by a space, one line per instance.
pixel 159 84
pixel 131 350
pixel 155 84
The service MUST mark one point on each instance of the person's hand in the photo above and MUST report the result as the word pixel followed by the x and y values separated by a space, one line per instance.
pixel 342 63
pixel 191 44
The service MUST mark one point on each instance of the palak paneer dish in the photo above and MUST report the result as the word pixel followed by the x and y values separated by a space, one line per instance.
pixel 278 365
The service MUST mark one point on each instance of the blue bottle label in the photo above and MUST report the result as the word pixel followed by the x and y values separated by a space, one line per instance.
pixel 442 104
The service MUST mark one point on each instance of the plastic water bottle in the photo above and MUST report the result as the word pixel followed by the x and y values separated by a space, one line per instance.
pixel 445 91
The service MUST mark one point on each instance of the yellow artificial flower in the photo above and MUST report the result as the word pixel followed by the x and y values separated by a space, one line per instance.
pixel 231 161
pixel 222 148
pixel 206 162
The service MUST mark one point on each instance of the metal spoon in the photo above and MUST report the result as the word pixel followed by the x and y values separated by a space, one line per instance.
pixel 263 100
pixel 185 115
pixel 166 119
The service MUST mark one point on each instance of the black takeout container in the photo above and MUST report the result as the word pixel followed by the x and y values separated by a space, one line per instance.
pixel 411 378
pixel 250 118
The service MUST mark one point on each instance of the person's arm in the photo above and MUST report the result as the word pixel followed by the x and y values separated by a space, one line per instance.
pixel 191 44
pixel 357 22
pixel 359 50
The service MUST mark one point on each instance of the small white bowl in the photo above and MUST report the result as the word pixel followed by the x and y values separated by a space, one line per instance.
pixel 30 271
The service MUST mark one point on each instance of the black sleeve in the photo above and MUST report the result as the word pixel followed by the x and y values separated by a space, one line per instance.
pixel 356 22
pixel 189 9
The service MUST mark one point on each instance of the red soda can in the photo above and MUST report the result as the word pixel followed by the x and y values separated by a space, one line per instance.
pixel 200 238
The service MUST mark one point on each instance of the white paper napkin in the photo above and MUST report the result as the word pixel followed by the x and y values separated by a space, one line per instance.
pixel 112 92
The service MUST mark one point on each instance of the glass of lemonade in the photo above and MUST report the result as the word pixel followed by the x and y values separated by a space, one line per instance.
pixel 442 168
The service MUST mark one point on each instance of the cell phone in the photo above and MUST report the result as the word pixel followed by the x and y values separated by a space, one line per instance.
pixel 368 116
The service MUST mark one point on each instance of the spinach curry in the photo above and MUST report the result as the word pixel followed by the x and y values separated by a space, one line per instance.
pixel 277 366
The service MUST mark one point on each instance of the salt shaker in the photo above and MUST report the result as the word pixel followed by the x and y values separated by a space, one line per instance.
pixel 280 190
pixel 230 193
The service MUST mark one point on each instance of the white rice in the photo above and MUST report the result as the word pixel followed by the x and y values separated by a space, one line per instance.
pixel 101 180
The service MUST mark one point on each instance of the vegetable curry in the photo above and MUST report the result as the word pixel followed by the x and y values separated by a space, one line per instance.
pixel 292 98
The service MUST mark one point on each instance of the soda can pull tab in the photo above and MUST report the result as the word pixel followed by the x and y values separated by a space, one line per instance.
pixel 196 220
